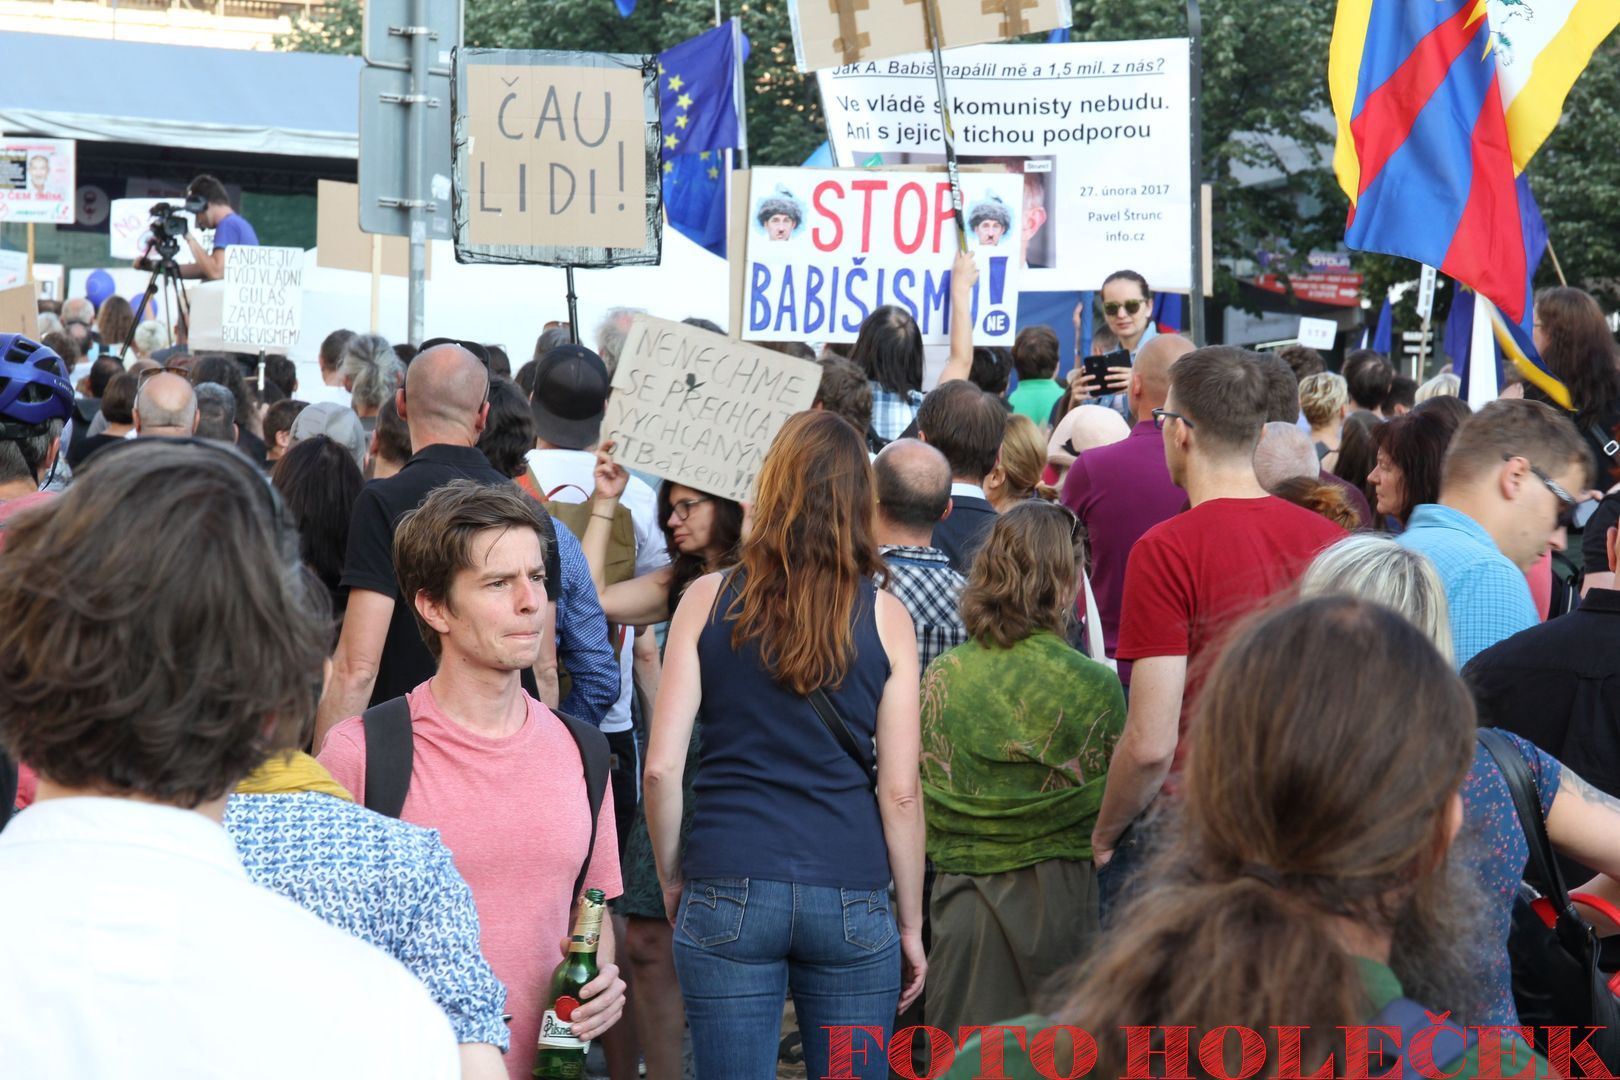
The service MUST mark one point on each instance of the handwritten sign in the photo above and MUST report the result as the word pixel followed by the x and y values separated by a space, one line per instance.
pixel 701 409
pixel 555 156
pixel 36 180
pixel 129 228
pixel 827 247
pixel 264 297
pixel 831 32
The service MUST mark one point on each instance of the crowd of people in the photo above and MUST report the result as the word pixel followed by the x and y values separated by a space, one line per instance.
pixel 1197 694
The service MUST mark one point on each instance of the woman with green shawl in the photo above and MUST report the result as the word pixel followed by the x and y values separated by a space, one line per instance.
pixel 1017 730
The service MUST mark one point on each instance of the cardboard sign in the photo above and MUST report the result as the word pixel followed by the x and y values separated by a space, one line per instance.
pixel 339 243
pixel 19 311
pixel 37 180
pixel 1099 131
pixel 701 409
pixel 824 248
pixel 555 156
pixel 1317 333
pixel 264 297
pixel 827 33
pixel 129 225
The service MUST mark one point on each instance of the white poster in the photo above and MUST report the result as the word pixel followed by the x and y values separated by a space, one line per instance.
pixel 1099 131
pixel 13 268
pixel 130 227
pixel 827 247
pixel 264 297
pixel 37 180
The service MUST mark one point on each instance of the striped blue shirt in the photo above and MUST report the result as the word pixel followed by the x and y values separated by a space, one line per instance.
pixel 1488 595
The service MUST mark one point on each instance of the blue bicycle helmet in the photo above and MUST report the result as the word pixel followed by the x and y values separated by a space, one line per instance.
pixel 34 386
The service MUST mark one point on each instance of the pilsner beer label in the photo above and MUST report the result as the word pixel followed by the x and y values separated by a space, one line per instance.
pixel 556 1032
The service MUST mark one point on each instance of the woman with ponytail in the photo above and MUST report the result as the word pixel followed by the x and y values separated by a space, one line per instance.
pixel 1306 881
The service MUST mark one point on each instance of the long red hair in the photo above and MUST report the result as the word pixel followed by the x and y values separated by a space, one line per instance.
pixel 813 540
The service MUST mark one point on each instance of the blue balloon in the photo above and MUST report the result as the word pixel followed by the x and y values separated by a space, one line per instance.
pixel 150 310
pixel 99 286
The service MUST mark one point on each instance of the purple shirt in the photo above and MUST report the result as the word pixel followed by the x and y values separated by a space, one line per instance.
pixel 234 230
pixel 1120 491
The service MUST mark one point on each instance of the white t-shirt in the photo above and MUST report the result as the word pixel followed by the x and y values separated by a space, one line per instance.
pixel 137 947
pixel 571 470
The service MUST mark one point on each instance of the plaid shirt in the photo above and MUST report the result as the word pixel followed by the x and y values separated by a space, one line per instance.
pixel 892 413
pixel 921 578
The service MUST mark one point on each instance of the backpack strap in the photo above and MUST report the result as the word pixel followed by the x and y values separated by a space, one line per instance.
pixel 1444 1042
pixel 389 750
pixel 596 756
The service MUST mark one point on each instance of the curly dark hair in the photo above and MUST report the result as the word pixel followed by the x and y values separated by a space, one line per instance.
pixel 175 677
pixel 509 431
pixel 1580 350
pixel 320 481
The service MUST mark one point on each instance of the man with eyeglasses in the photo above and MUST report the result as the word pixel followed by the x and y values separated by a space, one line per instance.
pixel 380 654
pixel 1506 496
pixel 1186 581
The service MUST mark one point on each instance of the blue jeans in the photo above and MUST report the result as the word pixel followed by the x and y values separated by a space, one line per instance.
pixel 742 943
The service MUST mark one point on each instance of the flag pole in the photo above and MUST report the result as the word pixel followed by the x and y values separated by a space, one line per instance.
pixel 931 14
pixel 1557 269
pixel 737 102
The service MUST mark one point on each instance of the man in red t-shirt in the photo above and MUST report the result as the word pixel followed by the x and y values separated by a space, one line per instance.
pixel 1189 578
pixel 492 769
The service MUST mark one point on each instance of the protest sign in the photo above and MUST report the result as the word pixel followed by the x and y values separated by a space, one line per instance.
pixel 36 180
pixel 1099 131
pixel 556 158
pixel 824 248
pixel 830 32
pixel 701 409
pixel 339 243
pixel 19 311
pixel 264 297
pixel 13 268
pixel 129 225
pixel 1317 333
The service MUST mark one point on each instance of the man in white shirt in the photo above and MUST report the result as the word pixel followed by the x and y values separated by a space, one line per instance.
pixel 571 388
pixel 136 945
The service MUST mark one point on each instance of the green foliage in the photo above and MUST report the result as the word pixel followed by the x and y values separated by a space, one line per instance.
pixel 784 110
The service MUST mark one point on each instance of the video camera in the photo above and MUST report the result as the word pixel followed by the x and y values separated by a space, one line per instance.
pixel 168 225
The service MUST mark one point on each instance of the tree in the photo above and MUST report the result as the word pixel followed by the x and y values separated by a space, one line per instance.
pixel 784 109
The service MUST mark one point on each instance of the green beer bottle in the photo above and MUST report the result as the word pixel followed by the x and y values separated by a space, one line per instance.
pixel 561 1056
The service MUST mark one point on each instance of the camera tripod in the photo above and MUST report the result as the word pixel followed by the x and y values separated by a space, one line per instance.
pixel 176 305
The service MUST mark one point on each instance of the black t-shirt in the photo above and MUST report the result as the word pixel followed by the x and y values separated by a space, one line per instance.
pixel 83 448
pixel 369 561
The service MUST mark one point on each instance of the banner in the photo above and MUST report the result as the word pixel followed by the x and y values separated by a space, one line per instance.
pixel 556 158
pixel 129 227
pixel 264 297
pixel 844 31
pixel 37 180
pixel 1098 130
pixel 701 409
pixel 827 247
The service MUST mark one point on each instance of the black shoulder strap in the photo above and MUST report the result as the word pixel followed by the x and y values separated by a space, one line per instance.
pixel 1610 445
pixel 840 731
pixel 1543 868
pixel 389 747
pixel 596 756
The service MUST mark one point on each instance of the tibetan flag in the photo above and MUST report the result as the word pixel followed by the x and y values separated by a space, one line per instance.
pixel 1440 104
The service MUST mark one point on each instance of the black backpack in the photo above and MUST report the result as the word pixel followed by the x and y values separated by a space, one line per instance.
pixel 389 750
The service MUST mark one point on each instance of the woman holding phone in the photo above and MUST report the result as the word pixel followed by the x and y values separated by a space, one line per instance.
pixel 1127 308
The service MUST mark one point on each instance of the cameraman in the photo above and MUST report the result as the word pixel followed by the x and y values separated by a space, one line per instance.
pixel 214 213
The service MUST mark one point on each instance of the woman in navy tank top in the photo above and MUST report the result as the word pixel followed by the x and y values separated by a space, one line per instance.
pixel 784 881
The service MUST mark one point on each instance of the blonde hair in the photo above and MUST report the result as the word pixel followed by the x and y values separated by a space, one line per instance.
pixel 1023 459
pixel 1443 385
pixel 1378 569
pixel 1321 396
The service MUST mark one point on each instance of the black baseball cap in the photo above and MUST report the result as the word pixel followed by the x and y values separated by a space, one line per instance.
pixel 570 395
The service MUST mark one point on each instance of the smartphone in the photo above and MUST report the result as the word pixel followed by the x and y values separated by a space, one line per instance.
pixel 1096 367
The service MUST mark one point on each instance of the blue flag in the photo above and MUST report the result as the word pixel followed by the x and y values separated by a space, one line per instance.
pixel 1383 338
pixel 626 8
pixel 698 112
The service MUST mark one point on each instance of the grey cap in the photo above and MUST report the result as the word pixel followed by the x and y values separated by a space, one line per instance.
pixel 989 208
pixel 337 422
pixel 780 202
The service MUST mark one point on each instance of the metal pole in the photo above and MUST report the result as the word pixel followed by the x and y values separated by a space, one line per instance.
pixel 573 307
pixel 737 93
pixel 931 14
pixel 1195 139
pixel 416 154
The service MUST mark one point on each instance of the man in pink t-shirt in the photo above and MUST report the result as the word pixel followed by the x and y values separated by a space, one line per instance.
pixel 1189 578
pixel 493 770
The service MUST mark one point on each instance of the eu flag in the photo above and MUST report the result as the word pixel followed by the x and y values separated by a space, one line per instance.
pixel 698 111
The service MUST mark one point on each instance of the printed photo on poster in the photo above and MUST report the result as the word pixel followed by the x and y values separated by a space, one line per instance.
pixel 37 180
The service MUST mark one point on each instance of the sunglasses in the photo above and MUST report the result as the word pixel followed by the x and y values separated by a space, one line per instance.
pixel 149 373
pixel 1131 307
pixel 1568 505
pixel 473 347
pixel 1076 530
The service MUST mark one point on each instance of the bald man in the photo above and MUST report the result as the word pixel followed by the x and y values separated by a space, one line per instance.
pixel 166 405
pixel 1283 453
pixel 1122 490
pixel 380 654
pixel 914 494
